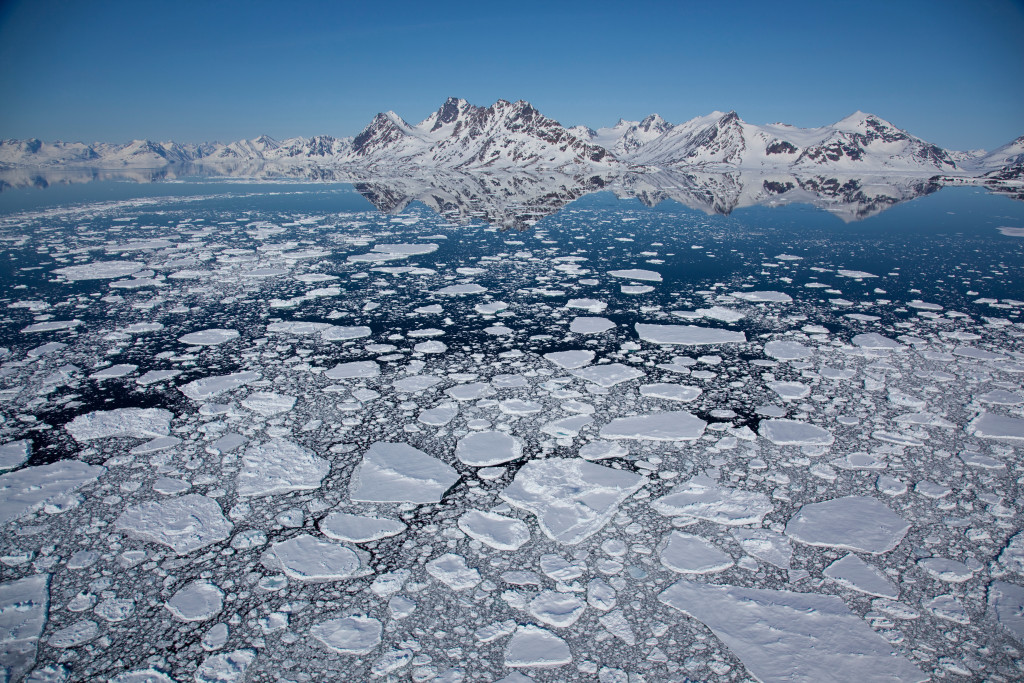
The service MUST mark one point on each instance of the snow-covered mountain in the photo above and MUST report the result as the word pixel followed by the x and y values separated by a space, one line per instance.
pixel 509 135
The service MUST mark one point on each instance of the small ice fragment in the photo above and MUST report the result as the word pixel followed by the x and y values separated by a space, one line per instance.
pixel 688 335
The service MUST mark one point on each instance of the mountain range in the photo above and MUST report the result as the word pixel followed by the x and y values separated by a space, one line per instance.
pixel 514 135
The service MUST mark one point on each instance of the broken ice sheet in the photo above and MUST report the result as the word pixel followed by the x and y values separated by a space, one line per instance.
pixel 572 499
pixel 399 473
pixel 703 498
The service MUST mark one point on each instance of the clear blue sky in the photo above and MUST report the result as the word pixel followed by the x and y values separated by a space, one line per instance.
pixel 949 71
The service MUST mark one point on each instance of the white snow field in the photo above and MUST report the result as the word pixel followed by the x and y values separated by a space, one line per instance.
pixel 265 433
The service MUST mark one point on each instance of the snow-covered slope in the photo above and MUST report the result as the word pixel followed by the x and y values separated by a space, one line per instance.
pixel 515 135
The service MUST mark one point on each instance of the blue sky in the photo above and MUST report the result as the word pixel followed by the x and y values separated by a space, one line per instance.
pixel 949 71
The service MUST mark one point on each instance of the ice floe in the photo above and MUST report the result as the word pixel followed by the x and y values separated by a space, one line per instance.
pixel 399 473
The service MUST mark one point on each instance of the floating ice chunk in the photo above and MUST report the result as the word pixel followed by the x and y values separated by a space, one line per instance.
pixel 211 337
pixel 790 391
pixel 556 609
pixel 855 573
pixel 795 433
pixel 78 633
pixel 452 570
pixel 209 387
pixel 852 523
pixel 137 422
pixel 147 675
pixel 229 667
pixel 976 353
pixel 535 647
pixel 491 308
pixel 763 297
pixel 306 558
pixel 949 608
pixel 482 449
pixel 198 601
pixel 689 554
pixel 345 332
pixel 1007 601
pixel 342 526
pixel 944 569
pixel 399 473
pixel 354 369
pixel 100 270
pixel 876 342
pixel 673 425
pixel 170 487
pixel 995 426
pixel 572 499
pixel 279 466
pixel 156 376
pixel 855 274
pixel 298 327
pixel 515 406
pixel 671 392
pixel 637 274
pixel 1001 397
pixel 184 524
pixel 608 375
pixel 567 427
pixel 13 453
pixel 570 360
pixel 590 325
pixel 24 606
pixel 703 498
pixel 726 315
pixel 114 371
pixel 268 403
pixel 1012 556
pixel 354 635
pixel 602 450
pixel 430 347
pixel 592 305
pixel 497 531
pixel 688 335
pixel 787 350
pixel 51 326
pixel 471 391
pixel 455 290
pixel 972 459
pixel 439 415
pixel 786 636
pixel 766 545
pixel 416 383
pixel 930 489
pixel 28 489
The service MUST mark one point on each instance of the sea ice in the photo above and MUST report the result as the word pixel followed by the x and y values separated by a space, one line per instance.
pixel 607 375
pixel 1007 601
pixel 198 601
pixel 229 667
pixel 137 422
pixel 279 466
pixel 675 425
pixel 209 387
pixel 399 473
pixel 795 433
pixel 688 335
pixel 355 635
pixel 452 570
pixel 637 274
pixel 100 270
pixel 211 337
pixel 14 453
pixel 996 426
pixel 763 297
pixel 671 392
pixel 497 531
pixel 556 609
pixel 590 325
pixel 766 545
pixel 268 403
pixel 342 526
pixel 354 369
pixel 26 490
pixel 535 647
pixel 703 498
pixel 689 554
pixel 572 499
pixel 855 573
pixel 482 449
pixel 855 523
pixel 24 607
pixel 184 524
pixel 787 350
pixel 306 558
pixel 570 360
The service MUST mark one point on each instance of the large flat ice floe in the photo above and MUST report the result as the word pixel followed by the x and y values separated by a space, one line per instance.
pixel 689 554
pixel 355 635
pixel 211 387
pixel 26 490
pixel 795 433
pixel 996 426
pixel 279 466
pixel 672 425
pixel 535 647
pixel 703 498
pixel 24 605
pixel 141 423
pixel 572 499
pixel 184 524
pixel 688 335
pixel 305 558
pixel 399 473
pixel 483 449
pixel 855 523
pixel 787 636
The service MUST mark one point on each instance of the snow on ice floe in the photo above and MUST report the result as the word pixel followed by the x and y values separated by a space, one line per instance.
pixel 452 570
pixel 607 375
pixel 279 466
pixel 100 270
pixel 439 415
pixel 211 337
pixel 24 605
pixel 995 426
pixel 535 647
pixel 497 531
pixel 229 667
pixel 456 290
pixel 14 453
pixel 197 601
pixel 268 403
pixel 184 524
pixel 636 274
pixel 763 297
pixel 689 554
pixel 399 473
pixel 590 325
pixel 343 526
pixel 51 326
pixel 857 523
pixel 783 432
pixel 471 391
pixel 211 387
pixel 26 490
pixel 876 342
pixel 766 545
pixel 570 360
pixel 306 558
pixel 855 573
pixel 556 609
pixel 602 450
pixel 355 635
pixel 1006 600
pixel 572 499
pixel 1001 397
pixel 787 636
pixel 687 335
pixel 787 350
pixel 137 422
pixel 354 370
pixel 671 392
pixel 674 425
pixel 703 498
pixel 482 449
pixel 415 383
pixel 790 391
pixel 592 305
